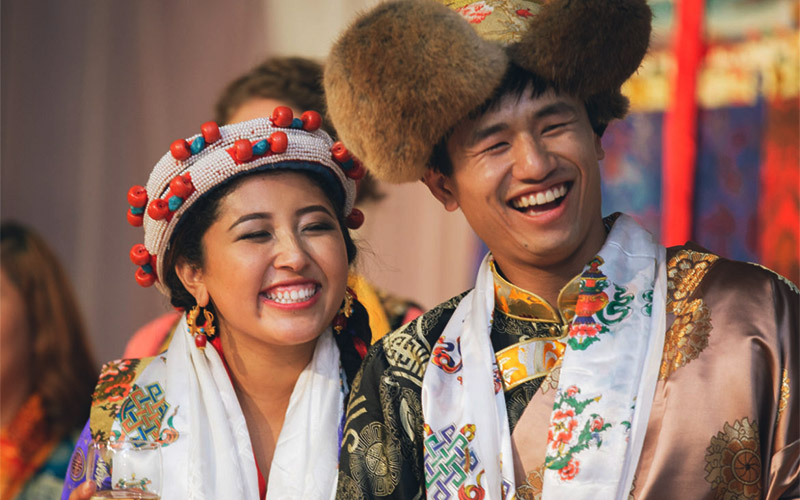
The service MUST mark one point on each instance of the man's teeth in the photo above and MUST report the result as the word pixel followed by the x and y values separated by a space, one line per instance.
pixel 541 197
pixel 292 296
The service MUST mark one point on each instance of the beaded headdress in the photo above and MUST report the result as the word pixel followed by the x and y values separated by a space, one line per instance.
pixel 195 165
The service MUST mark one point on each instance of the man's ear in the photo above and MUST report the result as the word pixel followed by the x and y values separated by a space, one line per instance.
pixel 193 280
pixel 598 148
pixel 441 186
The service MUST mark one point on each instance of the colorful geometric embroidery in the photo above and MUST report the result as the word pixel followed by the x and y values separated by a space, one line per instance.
pixel 141 414
pixel 686 338
pixel 585 329
pixel 447 460
pixel 733 461
pixel 571 432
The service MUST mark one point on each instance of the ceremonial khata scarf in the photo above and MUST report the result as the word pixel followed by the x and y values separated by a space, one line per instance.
pixel 212 457
pixel 608 377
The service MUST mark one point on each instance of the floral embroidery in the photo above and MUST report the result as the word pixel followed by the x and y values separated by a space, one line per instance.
pixel 571 432
pixel 524 12
pixel 733 461
pixel 686 338
pixel 476 12
pixel 685 271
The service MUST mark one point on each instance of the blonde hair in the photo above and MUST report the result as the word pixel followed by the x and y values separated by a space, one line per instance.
pixel 63 370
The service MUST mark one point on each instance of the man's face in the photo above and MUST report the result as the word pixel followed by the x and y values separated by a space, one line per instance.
pixel 526 175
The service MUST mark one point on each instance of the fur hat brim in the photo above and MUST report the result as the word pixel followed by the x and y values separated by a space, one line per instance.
pixel 406 72
pixel 402 76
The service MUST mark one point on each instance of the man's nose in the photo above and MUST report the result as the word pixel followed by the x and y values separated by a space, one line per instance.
pixel 532 160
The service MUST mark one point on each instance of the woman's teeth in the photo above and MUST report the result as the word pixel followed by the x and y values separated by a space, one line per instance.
pixel 292 296
pixel 541 198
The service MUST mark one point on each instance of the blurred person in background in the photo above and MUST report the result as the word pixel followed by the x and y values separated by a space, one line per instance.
pixel 295 82
pixel 46 368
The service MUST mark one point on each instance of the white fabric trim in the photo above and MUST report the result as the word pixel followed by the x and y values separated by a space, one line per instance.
pixel 622 369
pixel 213 457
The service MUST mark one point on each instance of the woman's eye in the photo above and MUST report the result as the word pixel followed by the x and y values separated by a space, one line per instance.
pixel 318 226
pixel 256 235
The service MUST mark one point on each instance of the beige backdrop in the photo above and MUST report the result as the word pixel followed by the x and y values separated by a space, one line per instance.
pixel 94 91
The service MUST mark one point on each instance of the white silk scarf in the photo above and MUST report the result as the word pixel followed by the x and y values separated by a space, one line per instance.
pixel 604 395
pixel 211 456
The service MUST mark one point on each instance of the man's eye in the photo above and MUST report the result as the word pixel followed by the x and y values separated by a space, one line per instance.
pixel 553 127
pixel 495 147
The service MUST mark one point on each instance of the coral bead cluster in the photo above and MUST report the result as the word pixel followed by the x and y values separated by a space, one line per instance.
pixel 195 165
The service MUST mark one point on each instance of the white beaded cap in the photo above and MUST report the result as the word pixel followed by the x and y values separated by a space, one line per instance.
pixel 214 165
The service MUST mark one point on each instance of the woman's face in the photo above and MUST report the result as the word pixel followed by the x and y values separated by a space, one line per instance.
pixel 275 261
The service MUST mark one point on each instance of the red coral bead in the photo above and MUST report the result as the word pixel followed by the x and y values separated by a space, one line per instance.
pixel 200 341
pixel 181 187
pixel 243 150
pixel 355 219
pixel 282 116
pixel 278 142
pixel 139 255
pixel 144 279
pixel 137 196
pixel 357 172
pixel 135 220
pixel 210 131
pixel 339 152
pixel 154 263
pixel 311 121
pixel 180 149
pixel 158 209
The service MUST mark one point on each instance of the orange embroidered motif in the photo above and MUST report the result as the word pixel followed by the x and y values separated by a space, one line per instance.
pixel 532 488
pixel 733 461
pixel 686 338
pixel 684 272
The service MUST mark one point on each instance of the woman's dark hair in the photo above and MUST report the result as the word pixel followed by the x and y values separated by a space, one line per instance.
pixel 62 366
pixel 187 240
pixel 514 83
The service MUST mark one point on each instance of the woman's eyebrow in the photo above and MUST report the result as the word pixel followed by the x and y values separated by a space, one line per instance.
pixel 250 216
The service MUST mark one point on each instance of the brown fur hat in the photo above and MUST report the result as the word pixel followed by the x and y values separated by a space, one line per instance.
pixel 404 74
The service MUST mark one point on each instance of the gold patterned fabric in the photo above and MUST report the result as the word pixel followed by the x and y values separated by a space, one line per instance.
pixel 503 21
pixel 724 422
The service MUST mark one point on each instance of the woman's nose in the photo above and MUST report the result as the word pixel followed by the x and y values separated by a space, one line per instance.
pixel 290 253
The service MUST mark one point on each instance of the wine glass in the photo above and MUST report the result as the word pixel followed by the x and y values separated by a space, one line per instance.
pixel 125 469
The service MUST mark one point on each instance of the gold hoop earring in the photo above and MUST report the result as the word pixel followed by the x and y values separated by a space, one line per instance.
pixel 202 333
pixel 340 320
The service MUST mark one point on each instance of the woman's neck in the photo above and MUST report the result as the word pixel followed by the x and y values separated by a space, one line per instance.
pixel 264 377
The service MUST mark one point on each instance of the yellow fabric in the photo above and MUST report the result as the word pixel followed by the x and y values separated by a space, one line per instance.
pixel 378 321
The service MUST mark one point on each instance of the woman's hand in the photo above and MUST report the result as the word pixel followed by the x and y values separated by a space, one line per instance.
pixel 83 492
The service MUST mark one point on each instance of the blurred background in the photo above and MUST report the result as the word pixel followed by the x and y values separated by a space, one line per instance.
pixel 94 91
